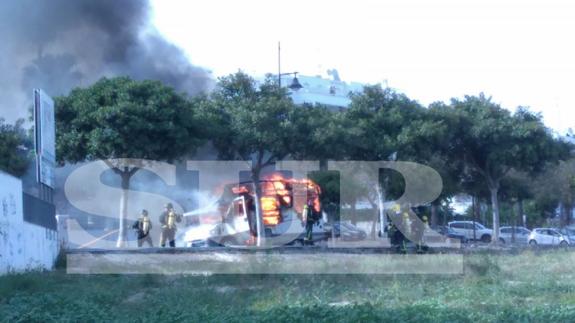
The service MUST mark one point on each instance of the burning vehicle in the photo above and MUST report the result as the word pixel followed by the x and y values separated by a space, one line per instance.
pixel 232 220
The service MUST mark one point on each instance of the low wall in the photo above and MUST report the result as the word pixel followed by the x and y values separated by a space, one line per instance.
pixel 23 245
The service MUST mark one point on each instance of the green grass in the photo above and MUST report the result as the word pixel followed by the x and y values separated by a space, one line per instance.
pixel 527 287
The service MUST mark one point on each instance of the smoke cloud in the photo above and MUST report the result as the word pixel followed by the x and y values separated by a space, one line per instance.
pixel 57 45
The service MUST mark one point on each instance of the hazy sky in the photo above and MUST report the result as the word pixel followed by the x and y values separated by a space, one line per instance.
pixel 520 52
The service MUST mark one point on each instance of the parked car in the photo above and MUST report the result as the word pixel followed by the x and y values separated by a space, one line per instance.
pixel 547 236
pixel 346 231
pixel 569 232
pixel 450 233
pixel 521 234
pixel 466 228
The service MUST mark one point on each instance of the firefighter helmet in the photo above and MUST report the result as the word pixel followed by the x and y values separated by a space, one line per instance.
pixel 144 212
pixel 169 206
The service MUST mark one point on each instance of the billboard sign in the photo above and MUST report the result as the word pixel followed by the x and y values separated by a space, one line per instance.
pixel 45 137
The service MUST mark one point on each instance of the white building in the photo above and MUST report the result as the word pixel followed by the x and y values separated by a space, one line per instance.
pixel 316 89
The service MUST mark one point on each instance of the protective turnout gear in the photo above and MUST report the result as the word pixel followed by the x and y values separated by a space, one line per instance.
pixel 392 233
pixel 171 220
pixel 146 225
pixel 168 219
pixel 308 220
pixel 405 230
pixel 421 246
pixel 395 234
pixel 418 230
pixel 143 226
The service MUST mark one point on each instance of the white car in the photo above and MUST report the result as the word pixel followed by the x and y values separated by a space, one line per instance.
pixel 466 228
pixel 547 236
pixel 521 234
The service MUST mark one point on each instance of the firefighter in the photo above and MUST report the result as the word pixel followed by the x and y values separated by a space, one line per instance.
pixel 168 220
pixel 404 232
pixel 143 226
pixel 392 234
pixel 418 230
pixel 397 236
pixel 425 229
pixel 308 220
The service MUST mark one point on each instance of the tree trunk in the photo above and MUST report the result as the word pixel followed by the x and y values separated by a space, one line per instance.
pixel 381 209
pixel 260 231
pixel 495 206
pixel 434 219
pixel 353 213
pixel 567 213
pixel 474 210
pixel 516 213
pixel 374 225
pixel 477 211
pixel 374 218
pixel 520 211
pixel 122 233
pixel 482 212
pixel 562 214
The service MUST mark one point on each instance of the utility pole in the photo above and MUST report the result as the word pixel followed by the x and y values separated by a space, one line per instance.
pixel 279 66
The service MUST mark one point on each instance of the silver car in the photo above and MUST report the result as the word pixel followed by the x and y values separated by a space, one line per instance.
pixel 467 229
pixel 521 234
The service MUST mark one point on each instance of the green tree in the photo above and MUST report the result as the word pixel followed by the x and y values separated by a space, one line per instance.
pixel 492 141
pixel 381 125
pixel 317 133
pixel 556 186
pixel 121 118
pixel 11 159
pixel 253 125
pixel 431 142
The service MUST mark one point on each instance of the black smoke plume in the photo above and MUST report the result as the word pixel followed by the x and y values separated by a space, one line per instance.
pixel 60 44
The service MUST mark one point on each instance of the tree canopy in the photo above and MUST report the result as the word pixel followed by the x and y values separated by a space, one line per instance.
pixel 477 146
pixel 492 141
pixel 12 160
pixel 122 118
pixel 252 124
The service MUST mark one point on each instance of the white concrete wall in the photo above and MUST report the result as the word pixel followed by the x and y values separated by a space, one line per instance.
pixel 23 246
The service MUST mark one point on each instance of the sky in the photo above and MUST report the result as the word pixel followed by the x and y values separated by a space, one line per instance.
pixel 522 53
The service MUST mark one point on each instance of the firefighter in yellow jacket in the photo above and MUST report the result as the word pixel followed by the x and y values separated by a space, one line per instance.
pixel 143 227
pixel 168 220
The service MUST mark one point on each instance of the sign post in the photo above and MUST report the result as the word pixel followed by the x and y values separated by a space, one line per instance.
pixel 44 138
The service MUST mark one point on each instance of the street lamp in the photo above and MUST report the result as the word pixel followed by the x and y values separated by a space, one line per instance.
pixel 295 84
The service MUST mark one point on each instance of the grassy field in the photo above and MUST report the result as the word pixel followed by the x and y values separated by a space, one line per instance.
pixel 530 286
